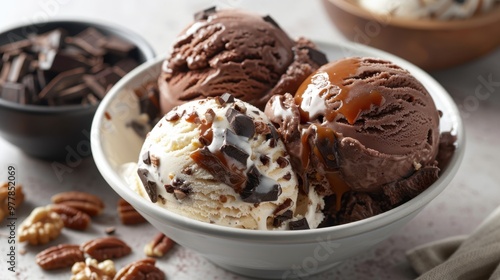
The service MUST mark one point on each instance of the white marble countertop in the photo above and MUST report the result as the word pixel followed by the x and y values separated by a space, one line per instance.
pixel 471 196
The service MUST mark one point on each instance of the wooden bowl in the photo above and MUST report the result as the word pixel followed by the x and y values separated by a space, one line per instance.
pixel 430 44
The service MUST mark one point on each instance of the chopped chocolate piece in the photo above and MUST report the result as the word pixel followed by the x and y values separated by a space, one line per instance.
pixel 259 188
pixel 74 92
pixel 278 220
pixel 327 146
pixel 31 91
pixel 243 126
pixel 188 170
pixel 287 176
pixel 118 46
pixel 57 61
pixel 41 78
pixel 155 161
pixel 209 116
pixel 203 15
pixel 15 46
pixel 92 100
pixel 4 73
pixel 210 162
pixel 179 194
pixel 13 92
pixel 282 162
pixel 283 207
pixel 225 99
pixel 235 153
pixel 18 68
pixel 126 65
pixel 269 19
pixel 90 40
pixel 63 80
pixel 94 85
pixel 240 107
pixel 230 114
pixel 172 116
pixel 298 225
pixel 148 183
pixel 145 158
pixel 47 41
pixel 317 56
pixel 264 159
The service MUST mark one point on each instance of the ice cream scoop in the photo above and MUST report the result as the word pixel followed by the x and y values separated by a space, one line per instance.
pixel 361 131
pixel 233 51
pixel 220 160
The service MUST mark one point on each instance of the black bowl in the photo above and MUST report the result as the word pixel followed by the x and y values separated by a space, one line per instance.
pixel 57 132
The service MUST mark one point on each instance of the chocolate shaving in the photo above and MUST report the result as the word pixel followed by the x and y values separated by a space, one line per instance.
pixel 148 183
pixel 299 225
pixel 269 19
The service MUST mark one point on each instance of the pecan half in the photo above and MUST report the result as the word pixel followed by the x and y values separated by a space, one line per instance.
pixel 93 270
pixel 41 226
pixel 106 248
pixel 60 256
pixel 159 246
pixel 72 217
pixel 128 215
pixel 141 269
pixel 86 202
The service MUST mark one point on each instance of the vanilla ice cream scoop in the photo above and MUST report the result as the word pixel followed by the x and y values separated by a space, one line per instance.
pixel 220 160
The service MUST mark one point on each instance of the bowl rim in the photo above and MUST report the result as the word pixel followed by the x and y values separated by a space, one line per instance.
pixel 303 236
pixel 490 17
pixel 142 45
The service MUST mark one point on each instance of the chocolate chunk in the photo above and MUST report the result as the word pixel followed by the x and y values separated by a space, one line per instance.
pixel 90 40
pixel 94 85
pixel 287 176
pixel 273 136
pixel 235 153
pixel 264 159
pixel 298 225
pixel 126 65
pixel 240 107
pixel 261 128
pixel 15 46
pixel 18 68
pixel 226 98
pixel 283 207
pixel 316 56
pixel 230 114
pixel 188 170
pixel 243 125
pixel 209 116
pixel 63 80
pixel 180 195
pixel 57 61
pixel 48 41
pixel 203 15
pixel 278 220
pixel 282 162
pixel 13 92
pixel 31 89
pixel 172 116
pixel 210 162
pixel 269 19
pixel 74 92
pixel 148 183
pixel 259 188
pixel 145 158
pixel 118 46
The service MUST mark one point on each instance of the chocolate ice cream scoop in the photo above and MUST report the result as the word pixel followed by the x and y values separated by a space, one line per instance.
pixel 232 51
pixel 360 125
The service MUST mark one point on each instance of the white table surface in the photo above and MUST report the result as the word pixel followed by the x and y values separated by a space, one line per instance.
pixel 471 196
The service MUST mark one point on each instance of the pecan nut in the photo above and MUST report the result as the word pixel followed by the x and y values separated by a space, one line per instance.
pixel 128 215
pixel 86 202
pixel 159 246
pixel 71 217
pixel 93 270
pixel 41 226
pixel 106 248
pixel 60 256
pixel 141 269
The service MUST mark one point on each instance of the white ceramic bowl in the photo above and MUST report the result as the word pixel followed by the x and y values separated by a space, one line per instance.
pixel 277 254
